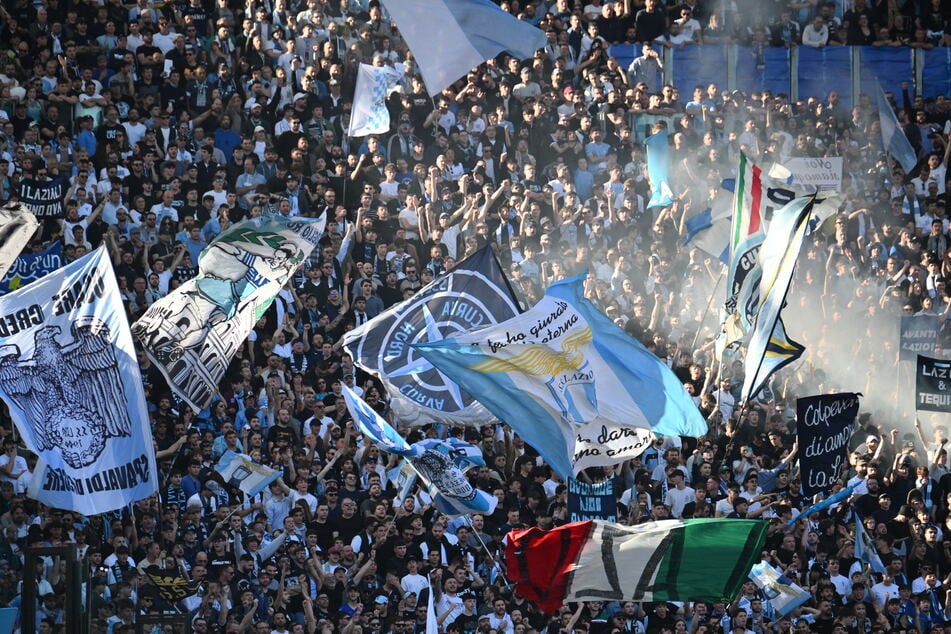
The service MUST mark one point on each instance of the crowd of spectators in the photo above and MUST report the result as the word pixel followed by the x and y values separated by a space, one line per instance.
pixel 172 122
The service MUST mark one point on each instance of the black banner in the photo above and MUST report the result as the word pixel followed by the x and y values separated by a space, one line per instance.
pixel 918 336
pixel 44 198
pixel 171 584
pixel 591 501
pixel 933 385
pixel 824 426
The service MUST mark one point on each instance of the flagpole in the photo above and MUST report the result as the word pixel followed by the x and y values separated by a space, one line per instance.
pixel 495 563
pixel 706 311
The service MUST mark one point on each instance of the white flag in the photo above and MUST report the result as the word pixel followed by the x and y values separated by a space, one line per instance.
pixel 242 472
pixel 69 375
pixel 369 115
pixel 17 225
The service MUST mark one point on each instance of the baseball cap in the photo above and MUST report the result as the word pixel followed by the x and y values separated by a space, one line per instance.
pixel 258 128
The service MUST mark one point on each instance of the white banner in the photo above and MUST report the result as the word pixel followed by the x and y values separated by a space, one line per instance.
pixel 824 173
pixel 69 375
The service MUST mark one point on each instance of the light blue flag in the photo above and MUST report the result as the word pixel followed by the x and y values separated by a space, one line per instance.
pixel 865 548
pixel 770 349
pixel 242 472
pixel 783 595
pixel 710 230
pixel 658 166
pixel 448 38
pixel 823 504
pixel 709 235
pixel 893 137
pixel 373 426
pixel 569 381
pixel 440 463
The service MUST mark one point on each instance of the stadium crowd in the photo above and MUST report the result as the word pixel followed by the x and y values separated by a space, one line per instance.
pixel 172 122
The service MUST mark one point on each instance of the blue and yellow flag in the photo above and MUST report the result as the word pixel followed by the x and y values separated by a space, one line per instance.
pixel 570 382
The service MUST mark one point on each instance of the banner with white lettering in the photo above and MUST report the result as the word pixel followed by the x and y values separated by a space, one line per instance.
pixel 44 198
pixel 30 267
pixel 69 375
pixel 919 334
pixel 824 426
pixel 933 385
pixel 594 501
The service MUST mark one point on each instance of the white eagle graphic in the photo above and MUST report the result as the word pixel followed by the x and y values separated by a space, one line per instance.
pixel 71 395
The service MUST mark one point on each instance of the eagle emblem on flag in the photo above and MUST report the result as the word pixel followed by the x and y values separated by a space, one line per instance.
pixel 72 391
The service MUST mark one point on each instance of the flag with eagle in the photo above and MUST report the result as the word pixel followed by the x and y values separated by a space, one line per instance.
pixel 69 375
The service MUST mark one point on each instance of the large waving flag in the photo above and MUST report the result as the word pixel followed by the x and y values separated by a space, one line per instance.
pixel 769 348
pixel 193 333
pixel 30 267
pixel 476 293
pixel 893 137
pixel 669 560
pixel 450 37
pixel 865 548
pixel 369 115
pixel 242 472
pixel 69 375
pixel 17 226
pixel 440 463
pixel 658 168
pixel 570 382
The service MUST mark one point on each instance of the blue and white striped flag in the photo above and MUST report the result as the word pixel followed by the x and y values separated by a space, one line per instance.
pixel 242 472
pixel 369 115
pixel 440 463
pixel 570 382
pixel 658 166
pixel 450 37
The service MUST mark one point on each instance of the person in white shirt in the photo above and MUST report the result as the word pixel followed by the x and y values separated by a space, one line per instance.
pixel 840 581
pixel 689 26
pixel 679 495
pixel 884 590
pixel 412 581
pixel 499 619
pixel 926 581
pixel 13 466
pixel 816 34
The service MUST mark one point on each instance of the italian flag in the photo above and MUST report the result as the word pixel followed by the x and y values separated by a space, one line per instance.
pixel 669 560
